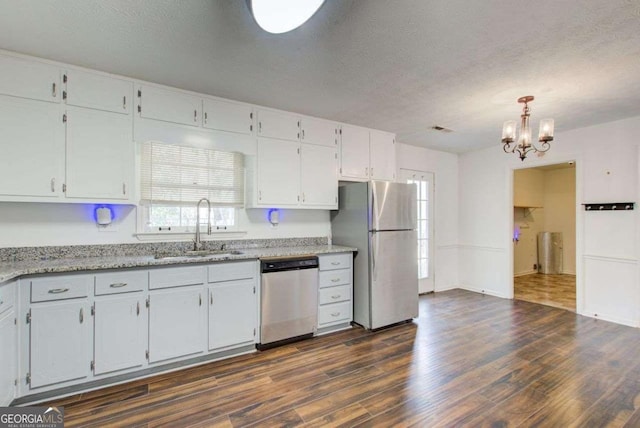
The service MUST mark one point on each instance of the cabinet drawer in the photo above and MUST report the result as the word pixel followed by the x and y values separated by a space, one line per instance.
pixel 335 261
pixel 60 287
pixel 7 296
pixel 232 271
pixel 340 293
pixel 334 277
pixel 176 277
pixel 121 282
pixel 336 312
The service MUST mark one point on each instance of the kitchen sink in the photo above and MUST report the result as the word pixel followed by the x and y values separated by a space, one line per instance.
pixel 198 254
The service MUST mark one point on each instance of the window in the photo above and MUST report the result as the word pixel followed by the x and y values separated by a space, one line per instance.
pixel 175 178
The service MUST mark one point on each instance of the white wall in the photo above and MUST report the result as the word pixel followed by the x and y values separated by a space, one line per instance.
pixel 444 166
pixel 40 224
pixel 606 171
pixel 560 213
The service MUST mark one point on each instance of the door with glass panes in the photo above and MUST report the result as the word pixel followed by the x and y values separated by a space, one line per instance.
pixel 424 197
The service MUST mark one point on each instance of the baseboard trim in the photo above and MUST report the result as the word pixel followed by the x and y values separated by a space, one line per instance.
pixel 529 272
pixel 484 291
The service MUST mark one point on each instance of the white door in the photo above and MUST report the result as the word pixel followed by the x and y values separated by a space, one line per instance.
pixel 278 172
pixel 319 175
pixel 60 342
pixel 176 324
pixel 100 154
pixel 92 90
pixel 425 184
pixel 30 79
pixel 119 332
pixel 232 313
pixel 382 156
pixel 316 131
pixel 32 147
pixel 227 116
pixel 169 106
pixel 354 152
pixel 275 124
pixel 8 357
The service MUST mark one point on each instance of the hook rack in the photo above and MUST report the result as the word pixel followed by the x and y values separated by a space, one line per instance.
pixel 610 206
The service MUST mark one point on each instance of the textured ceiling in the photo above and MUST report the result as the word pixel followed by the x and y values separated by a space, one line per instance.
pixel 401 65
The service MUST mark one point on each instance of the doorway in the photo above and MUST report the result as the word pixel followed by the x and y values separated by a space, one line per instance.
pixel 544 235
pixel 424 182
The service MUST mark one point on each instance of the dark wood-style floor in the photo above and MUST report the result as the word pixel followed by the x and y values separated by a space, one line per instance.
pixel 553 290
pixel 469 360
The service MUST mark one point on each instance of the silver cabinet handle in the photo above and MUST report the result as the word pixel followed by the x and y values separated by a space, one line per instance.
pixel 335 263
pixel 53 185
pixel 1 302
pixel 124 102
pixel 138 308
pixel 212 299
pixel 335 280
pixel 304 197
pixel 118 285
pixel 206 116
pixel 81 315
pixel 58 290
pixel 54 92
pixel 259 195
pixel 200 297
pixel 260 127
pixel 124 188
pixel 336 296
pixel 372 171
pixel 366 171
pixel 335 314
pixel 195 115
pixel 303 134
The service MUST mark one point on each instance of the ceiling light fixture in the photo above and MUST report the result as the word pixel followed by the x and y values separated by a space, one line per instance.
pixel 281 16
pixel 524 144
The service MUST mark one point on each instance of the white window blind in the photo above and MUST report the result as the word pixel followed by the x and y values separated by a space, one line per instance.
pixel 180 175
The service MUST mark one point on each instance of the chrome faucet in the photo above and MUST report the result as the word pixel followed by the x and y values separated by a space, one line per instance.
pixel 197 243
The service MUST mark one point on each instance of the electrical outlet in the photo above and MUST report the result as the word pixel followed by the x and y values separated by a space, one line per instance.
pixel 535 266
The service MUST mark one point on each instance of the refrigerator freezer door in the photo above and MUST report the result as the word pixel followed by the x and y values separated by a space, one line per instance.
pixel 394 277
pixel 393 206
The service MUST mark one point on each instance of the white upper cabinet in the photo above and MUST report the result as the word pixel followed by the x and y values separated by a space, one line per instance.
pixel 100 154
pixel 169 106
pixel 382 156
pixel 278 179
pixel 316 131
pixel 96 91
pixel 354 152
pixel 32 147
pixel 30 79
pixel 275 124
pixel 227 116
pixel 319 176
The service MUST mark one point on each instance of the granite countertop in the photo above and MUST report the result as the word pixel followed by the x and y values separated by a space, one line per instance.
pixel 13 269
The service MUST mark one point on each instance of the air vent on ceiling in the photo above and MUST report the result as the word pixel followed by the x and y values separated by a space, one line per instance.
pixel 441 129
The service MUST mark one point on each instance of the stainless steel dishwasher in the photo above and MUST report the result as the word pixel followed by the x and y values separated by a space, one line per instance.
pixel 289 300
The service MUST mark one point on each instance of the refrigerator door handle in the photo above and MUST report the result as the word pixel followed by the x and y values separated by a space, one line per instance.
pixel 374 250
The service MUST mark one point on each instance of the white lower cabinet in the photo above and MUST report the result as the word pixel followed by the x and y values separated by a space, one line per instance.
pixel 335 291
pixel 60 342
pixel 8 354
pixel 232 313
pixel 176 323
pixel 119 332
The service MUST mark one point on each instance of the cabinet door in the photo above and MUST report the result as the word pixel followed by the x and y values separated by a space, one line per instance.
pixel 275 124
pixel 30 79
pixel 100 154
pixel 227 116
pixel 382 156
pixel 176 324
pixel 169 106
pixel 316 131
pixel 232 313
pixel 98 92
pixel 354 152
pixel 32 147
pixel 278 172
pixel 319 175
pixel 60 342
pixel 8 357
pixel 119 327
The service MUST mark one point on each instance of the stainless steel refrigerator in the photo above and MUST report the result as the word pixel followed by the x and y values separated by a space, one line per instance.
pixel 379 219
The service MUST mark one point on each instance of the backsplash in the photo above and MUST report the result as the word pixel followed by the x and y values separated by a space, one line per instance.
pixel 18 254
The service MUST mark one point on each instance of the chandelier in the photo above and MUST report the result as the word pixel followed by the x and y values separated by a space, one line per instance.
pixel 524 143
